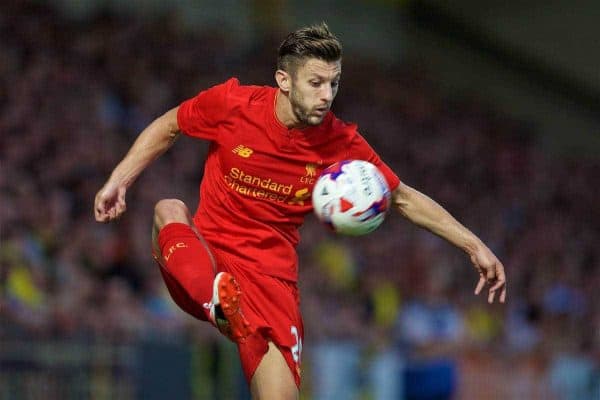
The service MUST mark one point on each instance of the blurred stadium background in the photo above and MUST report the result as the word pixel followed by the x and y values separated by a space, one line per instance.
pixel 492 108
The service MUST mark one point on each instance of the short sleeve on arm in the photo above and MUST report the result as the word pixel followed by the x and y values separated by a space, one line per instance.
pixel 201 115
pixel 360 149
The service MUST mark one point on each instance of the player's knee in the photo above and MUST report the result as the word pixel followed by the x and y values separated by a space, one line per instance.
pixel 170 210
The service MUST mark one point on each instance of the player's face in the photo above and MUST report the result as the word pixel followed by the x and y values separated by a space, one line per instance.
pixel 313 88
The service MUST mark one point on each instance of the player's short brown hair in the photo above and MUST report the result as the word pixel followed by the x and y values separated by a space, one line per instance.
pixel 315 41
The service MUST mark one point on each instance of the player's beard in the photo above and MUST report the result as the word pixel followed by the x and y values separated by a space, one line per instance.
pixel 304 114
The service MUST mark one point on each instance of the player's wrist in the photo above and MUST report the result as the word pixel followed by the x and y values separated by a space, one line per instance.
pixel 120 180
pixel 472 245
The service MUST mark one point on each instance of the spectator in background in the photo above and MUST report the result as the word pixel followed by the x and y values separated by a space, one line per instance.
pixel 336 341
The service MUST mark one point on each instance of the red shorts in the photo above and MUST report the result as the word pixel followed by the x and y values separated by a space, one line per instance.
pixel 270 304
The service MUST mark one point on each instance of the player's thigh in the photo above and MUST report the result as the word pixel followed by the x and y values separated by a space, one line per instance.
pixel 273 378
pixel 271 305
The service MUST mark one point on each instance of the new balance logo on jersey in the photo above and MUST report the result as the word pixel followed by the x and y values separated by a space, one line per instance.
pixel 243 151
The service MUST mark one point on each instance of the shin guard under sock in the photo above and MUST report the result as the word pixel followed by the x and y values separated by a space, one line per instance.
pixel 187 267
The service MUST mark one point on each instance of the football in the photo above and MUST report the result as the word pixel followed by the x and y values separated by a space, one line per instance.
pixel 351 197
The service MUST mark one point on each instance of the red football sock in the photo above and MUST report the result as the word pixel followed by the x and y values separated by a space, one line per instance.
pixel 187 268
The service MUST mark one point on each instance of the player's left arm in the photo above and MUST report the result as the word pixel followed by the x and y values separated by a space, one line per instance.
pixel 426 213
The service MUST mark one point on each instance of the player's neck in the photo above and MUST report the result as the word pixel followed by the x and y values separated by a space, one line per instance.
pixel 284 113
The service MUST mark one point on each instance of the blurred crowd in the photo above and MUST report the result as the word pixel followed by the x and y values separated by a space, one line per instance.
pixel 76 93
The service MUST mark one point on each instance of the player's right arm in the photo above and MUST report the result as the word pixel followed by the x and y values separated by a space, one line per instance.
pixel 154 140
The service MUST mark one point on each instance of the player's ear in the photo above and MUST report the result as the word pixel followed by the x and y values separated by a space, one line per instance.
pixel 284 80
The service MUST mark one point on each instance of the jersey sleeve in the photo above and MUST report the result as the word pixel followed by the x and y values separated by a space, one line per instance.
pixel 360 149
pixel 201 115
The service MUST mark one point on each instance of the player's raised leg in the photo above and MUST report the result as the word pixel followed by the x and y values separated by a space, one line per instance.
pixel 187 264
pixel 273 378
pixel 189 270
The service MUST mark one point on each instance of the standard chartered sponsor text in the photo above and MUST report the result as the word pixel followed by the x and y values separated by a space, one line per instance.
pixel 256 186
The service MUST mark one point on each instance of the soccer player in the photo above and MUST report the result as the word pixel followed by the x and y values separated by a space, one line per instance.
pixel 234 263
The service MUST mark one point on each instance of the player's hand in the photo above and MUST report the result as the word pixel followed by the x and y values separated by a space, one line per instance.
pixel 109 203
pixel 491 272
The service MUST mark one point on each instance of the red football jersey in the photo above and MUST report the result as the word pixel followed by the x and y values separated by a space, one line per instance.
pixel 259 175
